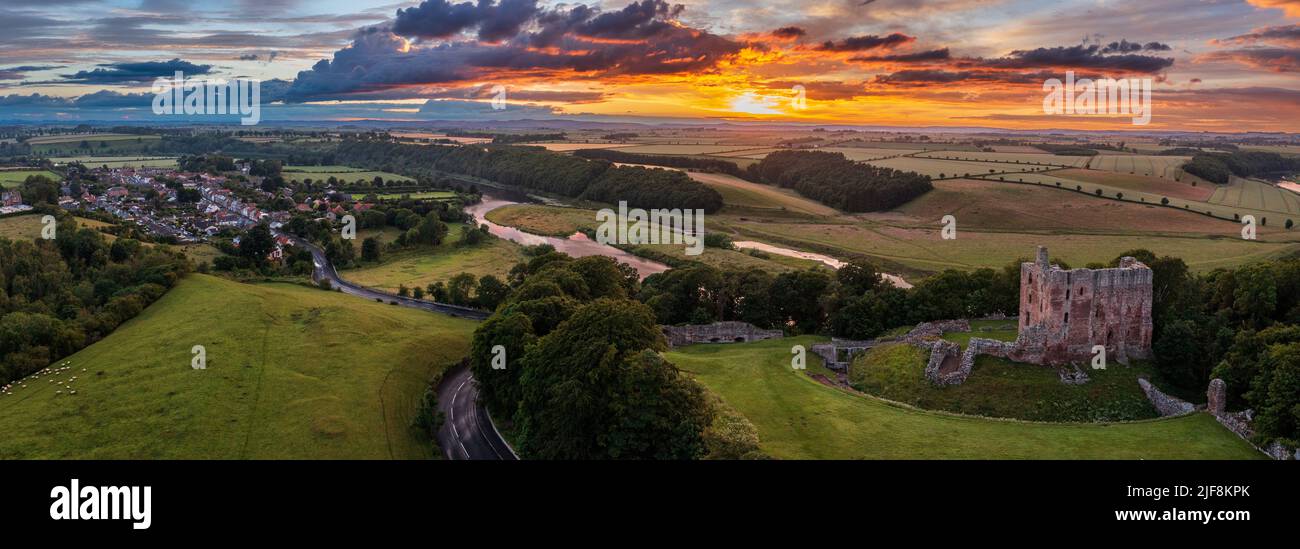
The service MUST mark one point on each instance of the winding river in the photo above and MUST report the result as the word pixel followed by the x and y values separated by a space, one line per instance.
pixel 578 245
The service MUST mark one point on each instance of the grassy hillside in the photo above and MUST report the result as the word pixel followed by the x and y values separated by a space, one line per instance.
pixel 799 418
pixel 292 372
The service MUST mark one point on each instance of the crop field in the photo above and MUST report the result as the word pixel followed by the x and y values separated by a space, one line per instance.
pixel 922 249
pixel 566 147
pixel 863 153
pixel 119 162
pixel 683 150
pixel 911 146
pixel 748 153
pixel 1012 207
pixel 1200 192
pixel 14 178
pixel 1256 195
pixel 292 373
pixel 950 168
pixel 799 418
pixel 1220 204
pixel 1039 158
pixel 1157 166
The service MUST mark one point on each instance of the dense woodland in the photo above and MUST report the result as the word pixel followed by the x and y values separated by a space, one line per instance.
pixel 583 378
pixel 712 165
pixel 58 296
pixel 836 181
pixel 539 170
pixel 1218 167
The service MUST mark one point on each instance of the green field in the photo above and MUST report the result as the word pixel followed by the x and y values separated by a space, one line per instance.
pixel 292 373
pixel 800 418
pixel 90 143
pixel 436 195
pixel 119 161
pixel 423 266
pixel 1021 157
pixel 343 173
pixel 28 226
pixel 14 178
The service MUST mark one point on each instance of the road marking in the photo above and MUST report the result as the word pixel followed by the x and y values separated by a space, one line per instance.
pixel 479 424
pixel 451 416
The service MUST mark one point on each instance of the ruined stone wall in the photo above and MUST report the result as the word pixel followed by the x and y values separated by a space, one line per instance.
pixel 718 332
pixel 1167 405
pixel 1240 422
pixel 1064 313
pixel 941 351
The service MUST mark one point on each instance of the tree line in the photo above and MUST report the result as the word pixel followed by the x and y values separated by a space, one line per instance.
pixel 58 296
pixel 1219 167
pixel 537 169
pixel 836 181
pixel 711 165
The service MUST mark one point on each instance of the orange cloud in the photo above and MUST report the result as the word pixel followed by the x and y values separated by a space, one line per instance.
pixel 1290 7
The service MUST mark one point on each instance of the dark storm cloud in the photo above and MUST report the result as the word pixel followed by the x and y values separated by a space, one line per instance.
pixel 1088 56
pixel 1275 35
pixel 442 19
pixel 638 39
pixel 1124 46
pixel 19 72
pixel 917 57
pixel 868 42
pixel 120 73
pixel 948 77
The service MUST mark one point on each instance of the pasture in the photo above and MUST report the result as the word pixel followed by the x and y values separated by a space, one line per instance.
pixel 119 162
pixel 14 178
pixel 291 373
pixel 342 173
pixel 72 144
pixel 425 265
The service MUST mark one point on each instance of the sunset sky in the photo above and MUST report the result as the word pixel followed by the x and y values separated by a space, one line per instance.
pixel 1218 65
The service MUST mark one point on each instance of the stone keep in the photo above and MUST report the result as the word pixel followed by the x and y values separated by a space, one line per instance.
pixel 1064 313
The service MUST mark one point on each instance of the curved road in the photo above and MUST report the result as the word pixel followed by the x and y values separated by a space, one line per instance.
pixel 467 432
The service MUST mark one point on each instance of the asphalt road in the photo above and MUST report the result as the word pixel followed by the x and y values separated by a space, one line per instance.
pixel 325 269
pixel 467 431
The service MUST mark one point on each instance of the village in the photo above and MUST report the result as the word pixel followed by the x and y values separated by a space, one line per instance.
pixel 181 207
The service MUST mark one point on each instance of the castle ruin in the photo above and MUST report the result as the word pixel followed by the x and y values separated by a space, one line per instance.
pixel 1064 313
